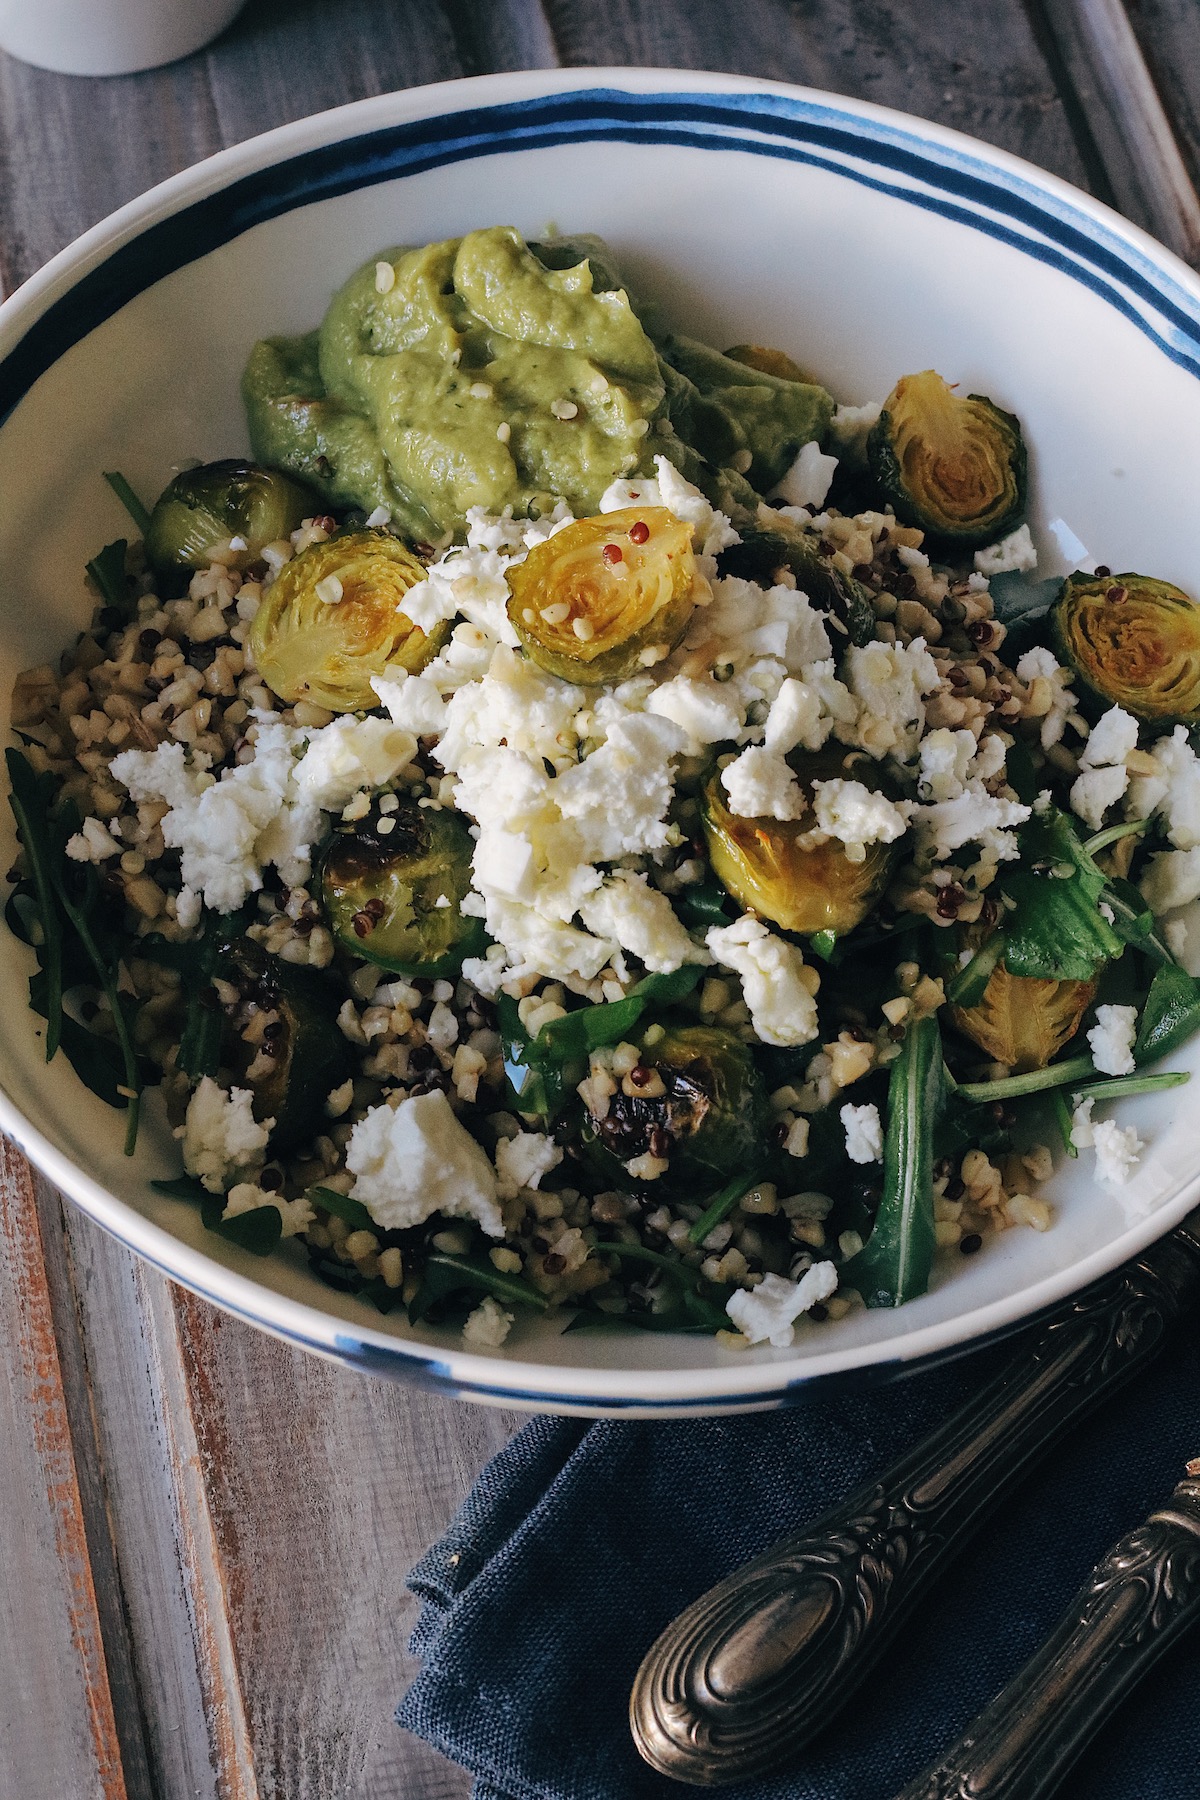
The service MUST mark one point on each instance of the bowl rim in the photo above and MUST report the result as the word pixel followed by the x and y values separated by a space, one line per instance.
pixel 930 165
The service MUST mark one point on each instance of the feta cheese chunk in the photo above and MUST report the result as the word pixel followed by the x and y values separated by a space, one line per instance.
pixel 1117 1148
pixel 775 980
pixel 1173 792
pixel 806 483
pixel 93 842
pixel 488 1326
pixel 1111 1039
pixel 521 1162
pixel 350 754
pixel 768 1312
pixel 297 1215
pixel 864 1133
pixel 857 816
pixel 1172 879
pixel 1103 777
pixel 417 1160
pixel 760 785
pixel 1015 552
pixel 629 912
pixel 222 1139
pixel 889 682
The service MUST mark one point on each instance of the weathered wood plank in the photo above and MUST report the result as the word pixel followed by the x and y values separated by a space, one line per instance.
pixel 1150 179
pixel 58 1734
pixel 978 68
pixel 1168 32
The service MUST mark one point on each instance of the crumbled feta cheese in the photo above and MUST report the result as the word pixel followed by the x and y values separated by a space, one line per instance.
pixel 1095 790
pixel 706 711
pixel 849 430
pixel 806 483
pixel 246 1196
pixel 769 1311
pixel 1015 552
pixel 619 795
pixel 857 815
pixel 442 1029
pixel 417 1160
pixel 1117 1148
pixel 782 1007
pixel 1173 793
pixel 221 1137
pixel 864 1133
pixel 629 912
pixel 974 816
pixel 93 842
pixel 890 682
pixel 945 758
pixel 521 1162
pixel 1111 1039
pixel 415 704
pixel 349 754
pixel 488 1326
pixel 1103 776
pixel 760 785
pixel 1112 737
pixel 1172 879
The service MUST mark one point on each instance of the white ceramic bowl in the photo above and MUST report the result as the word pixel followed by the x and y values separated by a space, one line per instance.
pixel 868 245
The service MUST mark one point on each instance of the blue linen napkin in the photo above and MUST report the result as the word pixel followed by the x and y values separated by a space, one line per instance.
pixel 579 1542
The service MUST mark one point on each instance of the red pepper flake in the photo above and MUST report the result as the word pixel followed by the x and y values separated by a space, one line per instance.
pixel 612 555
pixel 639 532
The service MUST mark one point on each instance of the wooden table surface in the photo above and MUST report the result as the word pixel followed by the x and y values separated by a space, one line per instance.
pixel 206 1532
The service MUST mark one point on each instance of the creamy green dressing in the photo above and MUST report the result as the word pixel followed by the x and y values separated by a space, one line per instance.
pixel 471 373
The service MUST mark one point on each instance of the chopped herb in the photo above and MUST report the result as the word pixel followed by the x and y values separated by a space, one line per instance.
pixel 139 513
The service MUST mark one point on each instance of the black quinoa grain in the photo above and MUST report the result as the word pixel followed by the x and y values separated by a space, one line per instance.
pixel 971 1243
pixel 818 1313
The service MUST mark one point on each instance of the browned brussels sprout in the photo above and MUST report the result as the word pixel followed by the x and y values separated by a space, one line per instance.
pixel 332 618
pixel 1024 1022
pixel 282 1041
pixel 1133 642
pixel 765 549
pixel 395 898
pixel 605 596
pixel 952 464
pixel 768 869
pixel 694 1102
pixel 224 512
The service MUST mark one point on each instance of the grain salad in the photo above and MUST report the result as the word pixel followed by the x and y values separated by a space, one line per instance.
pixel 656 848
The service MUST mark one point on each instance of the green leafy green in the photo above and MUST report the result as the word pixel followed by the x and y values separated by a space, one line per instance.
pixel 894 1264
pixel 968 986
pixel 444 1275
pixel 1120 1086
pixel 696 1303
pixel 705 903
pixel 1055 930
pixel 139 513
pixel 1064 1121
pixel 30 797
pixel 1010 1087
pixel 538 1067
pixel 721 1205
pixel 258 1230
pixel 1171 1014
pixel 107 570
pixel 343 1207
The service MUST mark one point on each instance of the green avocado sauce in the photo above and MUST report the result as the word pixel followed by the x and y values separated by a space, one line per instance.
pixel 485 371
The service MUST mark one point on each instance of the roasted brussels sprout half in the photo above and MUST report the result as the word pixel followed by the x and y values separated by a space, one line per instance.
pixel 765 549
pixel 768 869
pixel 395 897
pixel 1024 1022
pixel 694 1102
pixel 606 596
pixel 281 1040
pixel 1133 642
pixel 333 617
pixel 224 512
pixel 952 464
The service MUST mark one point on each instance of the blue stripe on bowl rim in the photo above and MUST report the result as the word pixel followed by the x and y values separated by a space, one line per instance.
pixel 946 177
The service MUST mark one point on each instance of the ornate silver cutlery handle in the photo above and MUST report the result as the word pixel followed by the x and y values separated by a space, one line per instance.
pixel 753 1669
pixel 1143 1595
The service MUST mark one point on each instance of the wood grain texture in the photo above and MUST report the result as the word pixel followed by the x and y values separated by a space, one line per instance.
pixel 58 1734
pixel 211 1530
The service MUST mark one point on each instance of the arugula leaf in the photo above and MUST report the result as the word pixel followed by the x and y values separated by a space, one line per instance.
pixel 538 1067
pixel 444 1275
pixel 722 1204
pixel 693 1308
pixel 343 1207
pixel 107 571
pixel 706 903
pixel 139 513
pixel 893 1265
pixel 1055 930
pixel 1171 1014
pixel 258 1230
pixel 970 983
pixel 183 1187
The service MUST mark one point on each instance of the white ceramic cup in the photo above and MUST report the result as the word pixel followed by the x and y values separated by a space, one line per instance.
pixel 109 37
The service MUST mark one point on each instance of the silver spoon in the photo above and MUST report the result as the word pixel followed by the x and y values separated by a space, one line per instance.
pixel 743 1678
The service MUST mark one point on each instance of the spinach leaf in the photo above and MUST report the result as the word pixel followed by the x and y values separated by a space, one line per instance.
pixel 1171 1014
pixel 706 903
pixel 343 1207
pixel 444 1275
pixel 893 1265
pixel 107 571
pixel 1055 929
